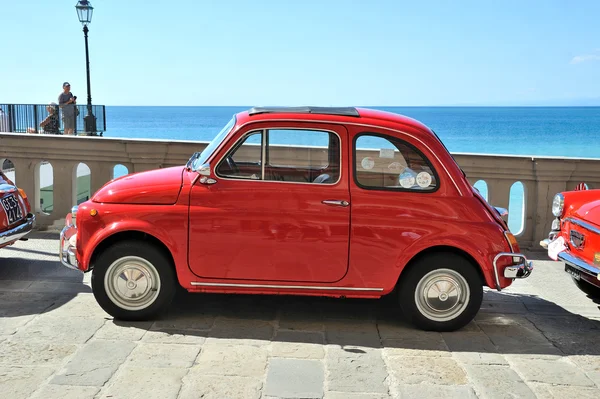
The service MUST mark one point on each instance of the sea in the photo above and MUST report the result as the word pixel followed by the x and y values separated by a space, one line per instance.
pixel 541 131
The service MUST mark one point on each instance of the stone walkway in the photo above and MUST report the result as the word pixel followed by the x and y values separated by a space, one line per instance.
pixel 540 338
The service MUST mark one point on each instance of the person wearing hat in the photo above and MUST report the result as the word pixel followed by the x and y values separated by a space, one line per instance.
pixel 51 123
pixel 66 102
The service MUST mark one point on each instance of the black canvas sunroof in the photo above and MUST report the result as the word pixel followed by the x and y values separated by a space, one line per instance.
pixel 345 111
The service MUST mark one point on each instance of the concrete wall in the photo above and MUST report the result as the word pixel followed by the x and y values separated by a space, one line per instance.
pixel 542 177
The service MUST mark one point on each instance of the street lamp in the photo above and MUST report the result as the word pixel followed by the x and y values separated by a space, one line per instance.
pixel 84 12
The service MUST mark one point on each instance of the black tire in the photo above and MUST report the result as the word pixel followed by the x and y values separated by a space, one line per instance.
pixel 445 268
pixel 591 290
pixel 142 257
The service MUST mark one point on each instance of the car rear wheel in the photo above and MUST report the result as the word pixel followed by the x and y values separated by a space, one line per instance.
pixel 133 281
pixel 587 288
pixel 440 292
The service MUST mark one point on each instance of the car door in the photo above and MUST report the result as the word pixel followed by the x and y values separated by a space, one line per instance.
pixel 279 210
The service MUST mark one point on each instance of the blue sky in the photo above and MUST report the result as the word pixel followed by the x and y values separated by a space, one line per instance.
pixel 320 52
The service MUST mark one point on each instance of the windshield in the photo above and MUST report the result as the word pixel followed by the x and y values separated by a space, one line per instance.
pixel 199 158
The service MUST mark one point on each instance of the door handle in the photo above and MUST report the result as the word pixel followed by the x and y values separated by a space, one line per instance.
pixel 335 202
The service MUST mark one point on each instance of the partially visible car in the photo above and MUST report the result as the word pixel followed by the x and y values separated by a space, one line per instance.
pixel 575 236
pixel 16 218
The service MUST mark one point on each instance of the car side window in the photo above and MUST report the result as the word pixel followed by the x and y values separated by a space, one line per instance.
pixel 302 156
pixel 388 163
pixel 245 160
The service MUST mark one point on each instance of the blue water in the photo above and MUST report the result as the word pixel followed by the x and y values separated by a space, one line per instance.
pixel 549 131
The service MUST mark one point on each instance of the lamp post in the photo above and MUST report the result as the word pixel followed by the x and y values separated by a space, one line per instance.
pixel 84 12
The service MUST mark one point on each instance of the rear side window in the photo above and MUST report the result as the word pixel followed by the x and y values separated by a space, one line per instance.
pixel 388 163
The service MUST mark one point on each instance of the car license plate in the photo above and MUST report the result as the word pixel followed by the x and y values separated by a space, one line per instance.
pixel 576 274
pixel 11 208
pixel 556 247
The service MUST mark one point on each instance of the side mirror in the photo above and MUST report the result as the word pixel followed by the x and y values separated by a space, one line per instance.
pixel 204 171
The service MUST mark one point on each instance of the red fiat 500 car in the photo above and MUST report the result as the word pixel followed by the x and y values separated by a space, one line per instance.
pixel 339 202
pixel 16 219
pixel 575 237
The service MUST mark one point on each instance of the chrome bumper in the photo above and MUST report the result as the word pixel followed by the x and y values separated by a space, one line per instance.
pixel 579 264
pixel 18 232
pixel 68 256
pixel 520 270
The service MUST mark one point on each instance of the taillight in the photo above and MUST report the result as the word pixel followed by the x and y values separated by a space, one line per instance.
pixel 512 241
pixel 22 192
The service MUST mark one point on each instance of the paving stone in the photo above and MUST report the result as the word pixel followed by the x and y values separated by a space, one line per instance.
pixel 151 355
pixel 126 331
pixel 516 338
pixel 200 322
pixel 298 344
pixel 498 382
pixel 546 391
pixel 94 364
pixel 590 365
pixel 301 316
pixel 575 343
pixel 240 329
pixel 70 330
pixel 294 378
pixel 198 385
pixel 356 371
pixel 34 353
pixel 19 382
pixel 62 287
pixel 232 360
pixel 469 342
pixel 10 325
pixel 146 383
pixel 480 358
pixel 564 324
pixel 551 371
pixel 428 370
pixel 416 343
pixel 51 391
pixel 436 392
pixel 174 337
pixel 81 305
pixel 362 395
pixel 14 285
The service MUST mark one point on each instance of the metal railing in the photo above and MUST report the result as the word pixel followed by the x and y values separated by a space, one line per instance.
pixel 26 118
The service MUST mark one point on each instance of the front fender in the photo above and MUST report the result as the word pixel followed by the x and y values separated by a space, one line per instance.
pixel 122 226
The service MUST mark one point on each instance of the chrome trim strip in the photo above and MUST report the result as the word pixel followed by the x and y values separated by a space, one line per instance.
pixel 578 263
pixel 263 145
pixel 583 224
pixel 288 287
pixel 19 231
pixel 362 125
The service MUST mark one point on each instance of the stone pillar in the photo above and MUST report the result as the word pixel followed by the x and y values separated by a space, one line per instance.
pixel 64 187
pixel 25 179
pixel 102 172
pixel 499 192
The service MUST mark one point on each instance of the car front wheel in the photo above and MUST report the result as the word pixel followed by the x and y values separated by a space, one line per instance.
pixel 440 292
pixel 133 281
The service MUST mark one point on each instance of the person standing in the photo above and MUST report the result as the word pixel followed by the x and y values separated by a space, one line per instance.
pixel 67 102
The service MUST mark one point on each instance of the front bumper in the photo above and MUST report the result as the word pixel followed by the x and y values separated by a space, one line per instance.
pixel 18 232
pixel 587 271
pixel 68 249
pixel 519 270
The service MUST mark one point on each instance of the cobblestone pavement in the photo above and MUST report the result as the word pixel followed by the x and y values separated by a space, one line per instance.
pixel 540 338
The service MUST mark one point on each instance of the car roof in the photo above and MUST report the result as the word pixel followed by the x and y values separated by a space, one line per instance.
pixel 333 114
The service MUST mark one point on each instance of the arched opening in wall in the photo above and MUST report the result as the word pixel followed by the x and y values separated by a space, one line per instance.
pixel 516 208
pixel 8 168
pixel 83 183
pixel 482 187
pixel 44 185
pixel 120 170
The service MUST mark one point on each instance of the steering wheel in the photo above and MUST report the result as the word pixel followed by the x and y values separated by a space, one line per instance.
pixel 232 165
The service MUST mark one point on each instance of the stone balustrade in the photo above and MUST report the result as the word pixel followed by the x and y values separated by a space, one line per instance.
pixel 541 177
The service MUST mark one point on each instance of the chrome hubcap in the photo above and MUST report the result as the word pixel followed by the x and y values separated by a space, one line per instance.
pixel 132 283
pixel 442 295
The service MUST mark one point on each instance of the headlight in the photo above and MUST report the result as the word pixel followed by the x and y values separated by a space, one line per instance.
pixel 558 205
pixel 556 224
pixel 74 215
